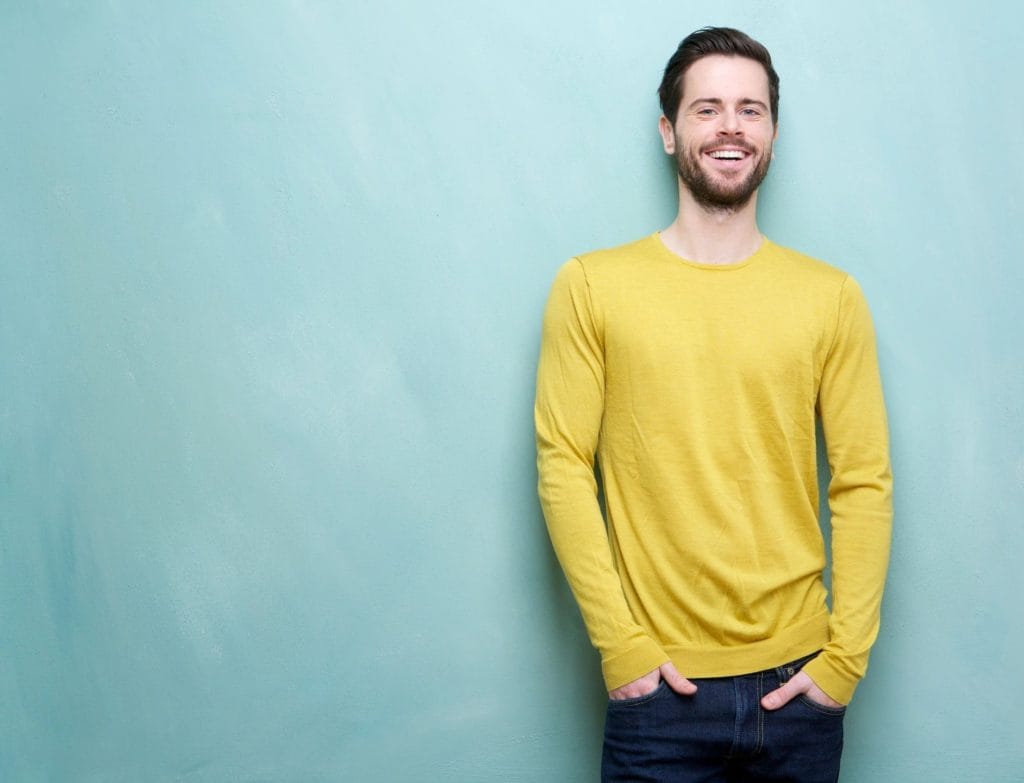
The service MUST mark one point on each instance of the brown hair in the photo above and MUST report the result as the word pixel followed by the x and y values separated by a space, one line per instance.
pixel 713 40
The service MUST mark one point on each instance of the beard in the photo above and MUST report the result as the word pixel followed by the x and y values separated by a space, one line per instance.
pixel 716 195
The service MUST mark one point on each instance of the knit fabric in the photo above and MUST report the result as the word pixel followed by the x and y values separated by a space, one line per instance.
pixel 696 388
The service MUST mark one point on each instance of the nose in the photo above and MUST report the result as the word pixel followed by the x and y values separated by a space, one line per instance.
pixel 730 123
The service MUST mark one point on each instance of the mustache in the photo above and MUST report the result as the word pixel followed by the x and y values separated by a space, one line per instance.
pixel 737 145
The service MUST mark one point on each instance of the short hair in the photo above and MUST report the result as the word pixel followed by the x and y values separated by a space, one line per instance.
pixel 708 41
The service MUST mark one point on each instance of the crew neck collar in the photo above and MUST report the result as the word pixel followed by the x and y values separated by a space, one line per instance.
pixel 756 255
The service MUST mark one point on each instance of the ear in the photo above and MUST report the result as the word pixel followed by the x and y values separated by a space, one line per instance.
pixel 668 135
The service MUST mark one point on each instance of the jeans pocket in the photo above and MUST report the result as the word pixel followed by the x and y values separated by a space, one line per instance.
pixel 636 700
pixel 807 701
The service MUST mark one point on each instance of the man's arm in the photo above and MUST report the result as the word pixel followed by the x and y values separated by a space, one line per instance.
pixel 568 412
pixel 860 498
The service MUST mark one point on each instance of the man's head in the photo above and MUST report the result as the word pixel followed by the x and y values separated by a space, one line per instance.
pixel 720 97
pixel 707 41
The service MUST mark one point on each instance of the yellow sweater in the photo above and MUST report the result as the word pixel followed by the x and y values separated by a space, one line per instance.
pixel 696 387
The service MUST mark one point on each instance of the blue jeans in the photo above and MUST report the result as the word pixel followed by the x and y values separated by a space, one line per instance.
pixel 722 734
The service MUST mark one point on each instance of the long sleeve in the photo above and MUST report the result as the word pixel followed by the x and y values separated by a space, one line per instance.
pixel 853 418
pixel 568 414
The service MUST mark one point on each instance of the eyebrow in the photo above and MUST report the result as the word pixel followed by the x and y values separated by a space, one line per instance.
pixel 720 102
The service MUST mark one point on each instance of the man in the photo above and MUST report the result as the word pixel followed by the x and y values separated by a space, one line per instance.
pixel 691 364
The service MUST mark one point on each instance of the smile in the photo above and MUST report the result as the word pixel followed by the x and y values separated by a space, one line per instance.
pixel 729 154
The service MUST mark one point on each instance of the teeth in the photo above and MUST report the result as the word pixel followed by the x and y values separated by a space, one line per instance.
pixel 727 154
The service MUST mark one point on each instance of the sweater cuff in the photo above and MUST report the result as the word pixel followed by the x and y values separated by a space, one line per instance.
pixel 832 677
pixel 632 664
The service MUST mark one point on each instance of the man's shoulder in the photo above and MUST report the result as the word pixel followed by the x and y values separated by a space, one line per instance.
pixel 611 258
pixel 788 261
pixel 648 255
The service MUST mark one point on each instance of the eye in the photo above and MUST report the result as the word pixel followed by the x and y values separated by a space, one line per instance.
pixel 706 111
pixel 750 112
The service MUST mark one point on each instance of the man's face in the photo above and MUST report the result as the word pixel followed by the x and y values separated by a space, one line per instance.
pixel 723 133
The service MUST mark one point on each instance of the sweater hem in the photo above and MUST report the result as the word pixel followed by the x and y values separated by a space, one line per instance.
pixel 786 645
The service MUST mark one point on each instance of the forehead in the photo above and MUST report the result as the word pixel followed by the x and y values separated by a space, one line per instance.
pixel 726 77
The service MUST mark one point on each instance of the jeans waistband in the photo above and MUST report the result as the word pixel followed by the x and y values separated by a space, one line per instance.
pixel 787 670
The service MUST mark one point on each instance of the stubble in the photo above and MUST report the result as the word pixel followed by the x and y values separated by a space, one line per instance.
pixel 718 194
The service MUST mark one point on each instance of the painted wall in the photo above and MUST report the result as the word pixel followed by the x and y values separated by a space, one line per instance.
pixel 271 279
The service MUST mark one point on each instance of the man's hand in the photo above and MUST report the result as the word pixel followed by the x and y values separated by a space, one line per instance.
pixel 647 684
pixel 800 683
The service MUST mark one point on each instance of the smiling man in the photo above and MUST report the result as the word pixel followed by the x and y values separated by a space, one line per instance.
pixel 689 367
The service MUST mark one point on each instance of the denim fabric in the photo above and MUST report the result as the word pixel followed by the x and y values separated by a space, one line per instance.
pixel 723 734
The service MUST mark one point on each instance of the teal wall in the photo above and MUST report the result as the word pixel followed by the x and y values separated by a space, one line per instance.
pixel 271 279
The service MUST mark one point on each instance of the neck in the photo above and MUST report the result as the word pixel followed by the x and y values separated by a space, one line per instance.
pixel 713 237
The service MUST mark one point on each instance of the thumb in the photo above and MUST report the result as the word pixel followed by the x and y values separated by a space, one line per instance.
pixel 675 680
pixel 780 696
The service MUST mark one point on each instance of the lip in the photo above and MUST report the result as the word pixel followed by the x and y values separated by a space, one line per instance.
pixel 727 164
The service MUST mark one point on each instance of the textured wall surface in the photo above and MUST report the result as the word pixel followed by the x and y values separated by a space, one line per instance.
pixel 271 280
